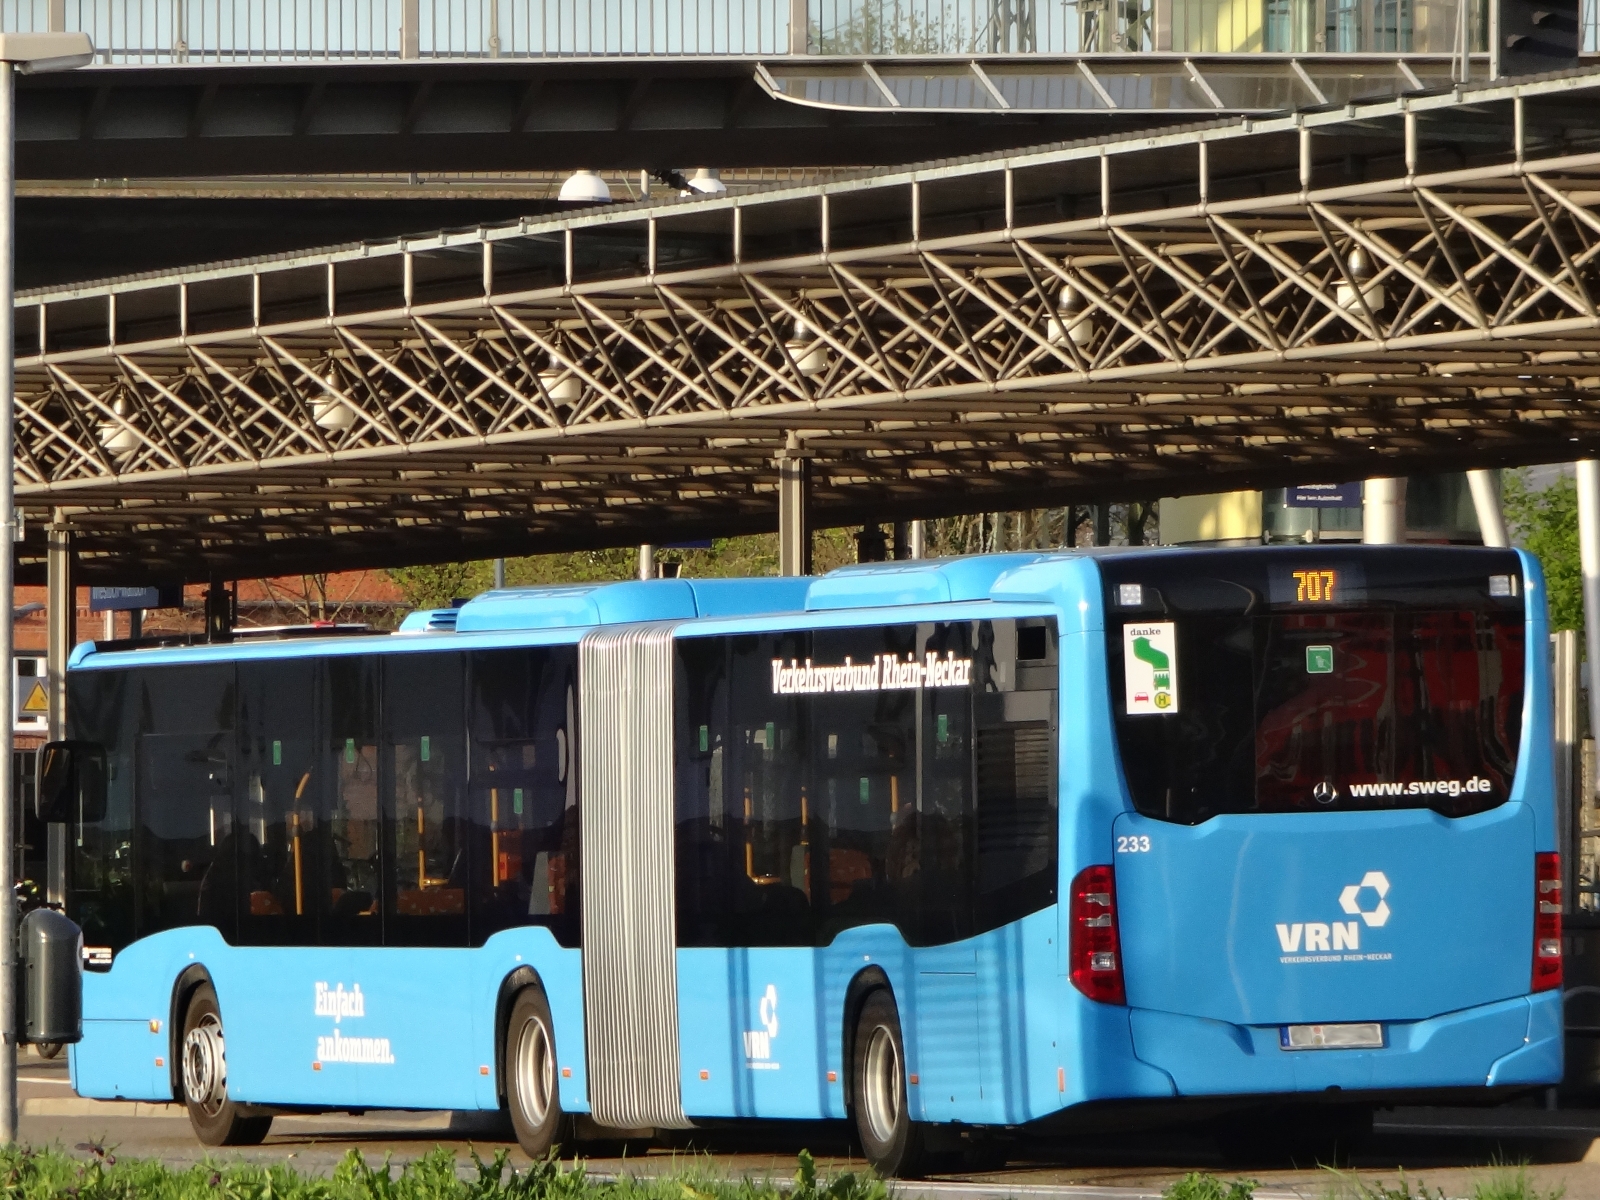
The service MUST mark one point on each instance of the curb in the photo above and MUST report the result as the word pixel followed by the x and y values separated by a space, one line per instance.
pixel 76 1106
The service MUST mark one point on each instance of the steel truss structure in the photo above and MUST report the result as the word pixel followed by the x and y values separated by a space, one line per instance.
pixel 1402 286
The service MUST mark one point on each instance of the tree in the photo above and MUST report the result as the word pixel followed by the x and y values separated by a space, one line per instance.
pixel 436 586
pixel 870 30
pixel 1545 523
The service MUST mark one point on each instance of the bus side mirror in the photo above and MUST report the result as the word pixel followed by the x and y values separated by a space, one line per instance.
pixel 71 783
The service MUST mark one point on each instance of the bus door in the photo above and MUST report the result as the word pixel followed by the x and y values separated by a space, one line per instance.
pixel 400 858
pixel 749 871
pixel 1320 754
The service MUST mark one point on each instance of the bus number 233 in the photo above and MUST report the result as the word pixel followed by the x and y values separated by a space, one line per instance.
pixel 1133 845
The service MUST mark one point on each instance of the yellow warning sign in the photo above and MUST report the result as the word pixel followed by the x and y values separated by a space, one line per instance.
pixel 37 701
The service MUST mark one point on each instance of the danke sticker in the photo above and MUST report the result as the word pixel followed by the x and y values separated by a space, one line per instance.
pixel 1150 667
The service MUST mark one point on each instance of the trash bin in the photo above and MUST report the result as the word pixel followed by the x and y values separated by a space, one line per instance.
pixel 52 978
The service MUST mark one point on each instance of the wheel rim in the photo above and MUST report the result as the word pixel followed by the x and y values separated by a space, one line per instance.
pixel 205 1066
pixel 882 1091
pixel 536 1072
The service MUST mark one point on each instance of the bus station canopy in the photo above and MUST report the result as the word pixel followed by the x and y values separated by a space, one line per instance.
pixel 1397 286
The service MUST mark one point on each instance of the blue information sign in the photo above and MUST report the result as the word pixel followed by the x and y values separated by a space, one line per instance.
pixel 121 599
pixel 1324 495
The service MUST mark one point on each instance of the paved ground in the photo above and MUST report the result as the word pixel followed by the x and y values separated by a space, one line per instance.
pixel 1445 1149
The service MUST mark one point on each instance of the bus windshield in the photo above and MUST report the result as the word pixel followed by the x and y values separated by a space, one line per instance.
pixel 1309 680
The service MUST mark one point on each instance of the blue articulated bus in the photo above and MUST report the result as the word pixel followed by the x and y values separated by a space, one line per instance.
pixel 951 849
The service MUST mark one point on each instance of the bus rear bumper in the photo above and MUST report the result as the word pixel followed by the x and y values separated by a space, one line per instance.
pixel 1510 1042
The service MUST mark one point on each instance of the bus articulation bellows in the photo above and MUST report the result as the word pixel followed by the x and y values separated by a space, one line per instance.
pixel 950 848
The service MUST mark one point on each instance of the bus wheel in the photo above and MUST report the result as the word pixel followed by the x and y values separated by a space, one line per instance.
pixel 217 1120
pixel 530 1075
pixel 891 1141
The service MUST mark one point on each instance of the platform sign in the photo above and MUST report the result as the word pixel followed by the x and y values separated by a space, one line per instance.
pixel 123 599
pixel 30 694
pixel 1323 495
pixel 120 599
pixel 1150 667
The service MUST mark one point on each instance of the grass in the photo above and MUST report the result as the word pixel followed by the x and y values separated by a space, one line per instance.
pixel 1198 1185
pixel 1512 1183
pixel 27 1174
pixel 1503 1182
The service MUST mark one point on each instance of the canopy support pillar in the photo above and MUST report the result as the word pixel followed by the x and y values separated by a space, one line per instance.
pixel 1384 519
pixel 794 509
pixel 1486 502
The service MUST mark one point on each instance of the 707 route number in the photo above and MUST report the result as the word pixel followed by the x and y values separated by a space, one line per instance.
pixel 1137 844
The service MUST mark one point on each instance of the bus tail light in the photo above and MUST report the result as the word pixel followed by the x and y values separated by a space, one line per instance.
pixel 1546 922
pixel 1094 945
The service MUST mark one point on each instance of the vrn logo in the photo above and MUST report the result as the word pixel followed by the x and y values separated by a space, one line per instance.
pixel 1366 900
pixel 758 1042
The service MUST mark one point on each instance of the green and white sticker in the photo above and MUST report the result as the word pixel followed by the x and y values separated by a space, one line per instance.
pixel 1150 667
pixel 1319 660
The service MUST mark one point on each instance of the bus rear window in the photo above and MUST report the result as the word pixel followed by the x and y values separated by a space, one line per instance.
pixel 1405 694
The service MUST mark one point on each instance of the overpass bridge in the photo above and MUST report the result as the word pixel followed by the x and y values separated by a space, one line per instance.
pixel 206 87
pixel 1374 288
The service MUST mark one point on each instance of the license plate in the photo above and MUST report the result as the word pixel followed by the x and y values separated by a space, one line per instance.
pixel 1332 1037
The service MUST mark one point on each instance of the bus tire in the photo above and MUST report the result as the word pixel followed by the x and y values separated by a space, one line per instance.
pixel 532 1092
pixel 203 1075
pixel 892 1142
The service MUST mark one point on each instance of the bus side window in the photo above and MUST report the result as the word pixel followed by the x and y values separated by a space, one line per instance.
pixel 1014 770
pixel 863 760
pixel 278 800
pixel 353 884
pixel 766 801
pixel 522 795
pixel 424 779
pixel 186 856
pixel 946 811
pixel 704 862
pixel 854 791
pixel 100 866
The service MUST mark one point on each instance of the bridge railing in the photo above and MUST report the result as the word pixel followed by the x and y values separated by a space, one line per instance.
pixel 230 31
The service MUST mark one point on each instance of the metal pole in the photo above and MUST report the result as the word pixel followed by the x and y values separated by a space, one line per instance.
pixel 1568 765
pixel 919 542
pixel 799 26
pixel 410 29
pixel 61 612
pixel 794 509
pixel 60 617
pixel 1589 556
pixel 499 573
pixel 1384 519
pixel 8 836
pixel 647 561
pixel 1486 501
